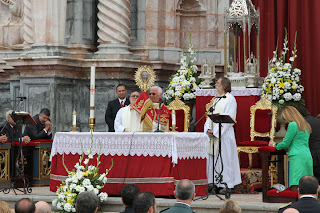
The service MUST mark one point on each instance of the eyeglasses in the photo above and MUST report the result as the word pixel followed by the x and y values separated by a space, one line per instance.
pixel 135 96
pixel 152 93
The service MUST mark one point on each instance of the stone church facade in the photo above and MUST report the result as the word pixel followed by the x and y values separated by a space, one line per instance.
pixel 48 46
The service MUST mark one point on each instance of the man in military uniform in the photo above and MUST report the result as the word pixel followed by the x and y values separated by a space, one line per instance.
pixel 308 193
pixel 185 193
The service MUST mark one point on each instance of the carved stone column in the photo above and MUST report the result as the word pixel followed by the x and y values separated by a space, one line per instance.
pixel 113 29
pixel 49 18
pixel 28 23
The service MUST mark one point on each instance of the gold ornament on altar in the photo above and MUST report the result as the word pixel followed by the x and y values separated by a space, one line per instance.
pixel 145 77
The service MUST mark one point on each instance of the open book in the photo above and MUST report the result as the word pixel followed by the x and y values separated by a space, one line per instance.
pixel 25 117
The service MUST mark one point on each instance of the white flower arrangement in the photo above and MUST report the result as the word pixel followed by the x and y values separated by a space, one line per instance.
pixel 282 86
pixel 85 178
pixel 184 83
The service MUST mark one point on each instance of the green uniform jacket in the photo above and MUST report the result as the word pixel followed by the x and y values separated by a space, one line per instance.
pixel 178 208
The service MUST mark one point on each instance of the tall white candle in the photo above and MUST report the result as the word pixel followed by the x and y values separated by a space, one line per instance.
pixel 92 90
pixel 173 115
pixel 74 118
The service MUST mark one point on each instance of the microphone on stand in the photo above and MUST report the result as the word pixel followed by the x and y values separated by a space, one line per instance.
pixel 211 109
pixel 158 127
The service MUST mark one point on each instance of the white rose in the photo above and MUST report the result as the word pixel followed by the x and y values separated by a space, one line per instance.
pixel 287 96
pixel 281 101
pixel 67 207
pixel 297 97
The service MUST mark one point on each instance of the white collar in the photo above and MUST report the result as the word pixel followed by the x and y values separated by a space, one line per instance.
pixel 183 203
pixel 124 100
pixel 307 196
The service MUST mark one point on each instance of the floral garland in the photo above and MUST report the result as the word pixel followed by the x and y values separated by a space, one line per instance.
pixel 85 178
pixel 282 86
pixel 184 83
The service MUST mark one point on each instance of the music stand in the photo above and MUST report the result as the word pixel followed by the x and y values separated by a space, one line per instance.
pixel 20 118
pixel 220 119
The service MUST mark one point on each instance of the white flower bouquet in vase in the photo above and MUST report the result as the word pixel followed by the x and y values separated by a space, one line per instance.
pixel 282 86
pixel 184 82
pixel 85 178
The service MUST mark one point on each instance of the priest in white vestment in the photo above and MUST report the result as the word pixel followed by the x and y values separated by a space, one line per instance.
pixel 128 120
pixel 226 104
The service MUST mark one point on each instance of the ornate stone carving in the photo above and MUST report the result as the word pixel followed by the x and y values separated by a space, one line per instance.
pixel 28 25
pixel 114 21
pixel 12 24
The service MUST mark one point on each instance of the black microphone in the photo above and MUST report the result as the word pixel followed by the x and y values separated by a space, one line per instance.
pixel 22 97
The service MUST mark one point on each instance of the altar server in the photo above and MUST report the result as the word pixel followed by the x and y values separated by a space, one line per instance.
pixel 224 103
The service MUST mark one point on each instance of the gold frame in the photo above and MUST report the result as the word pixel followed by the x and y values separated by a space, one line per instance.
pixel 177 104
pixel 208 105
pixel 5 149
pixel 145 82
pixel 262 104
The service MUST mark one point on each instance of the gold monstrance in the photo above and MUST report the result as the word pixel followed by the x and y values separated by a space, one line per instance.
pixel 145 77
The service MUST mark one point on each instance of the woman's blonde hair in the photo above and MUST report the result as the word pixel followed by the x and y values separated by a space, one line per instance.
pixel 4 207
pixel 290 113
pixel 230 206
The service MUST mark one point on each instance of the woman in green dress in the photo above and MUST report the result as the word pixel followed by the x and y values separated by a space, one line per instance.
pixel 296 142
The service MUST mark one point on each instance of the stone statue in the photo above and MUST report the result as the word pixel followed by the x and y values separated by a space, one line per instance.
pixel 11 24
pixel 251 65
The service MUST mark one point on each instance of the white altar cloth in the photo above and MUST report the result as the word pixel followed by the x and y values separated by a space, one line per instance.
pixel 180 145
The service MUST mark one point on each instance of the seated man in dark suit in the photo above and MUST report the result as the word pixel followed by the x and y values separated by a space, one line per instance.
pixel 8 132
pixel 43 128
pixel 128 192
pixel 308 194
pixel 185 193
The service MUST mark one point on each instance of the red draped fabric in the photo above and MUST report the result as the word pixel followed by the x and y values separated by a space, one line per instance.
pixel 300 16
pixel 156 174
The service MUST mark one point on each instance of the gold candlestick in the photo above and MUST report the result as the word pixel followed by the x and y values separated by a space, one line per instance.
pixel 92 123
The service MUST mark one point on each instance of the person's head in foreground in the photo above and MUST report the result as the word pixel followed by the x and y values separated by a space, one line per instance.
pixel 144 202
pixel 308 185
pixel 185 191
pixel 128 192
pixel 230 206
pixel 87 202
pixel 24 205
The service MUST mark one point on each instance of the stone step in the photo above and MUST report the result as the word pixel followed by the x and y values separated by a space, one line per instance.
pixel 249 203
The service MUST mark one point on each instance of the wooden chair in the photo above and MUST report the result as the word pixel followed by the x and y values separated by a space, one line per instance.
pixel 182 112
pixel 260 127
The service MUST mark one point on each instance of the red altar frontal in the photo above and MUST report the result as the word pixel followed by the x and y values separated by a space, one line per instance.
pixel 153 161
pixel 245 98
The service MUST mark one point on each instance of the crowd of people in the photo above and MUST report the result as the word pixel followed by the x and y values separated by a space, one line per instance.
pixel 139 112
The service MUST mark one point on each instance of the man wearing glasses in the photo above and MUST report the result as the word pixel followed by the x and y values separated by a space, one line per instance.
pixel 125 119
pixel 148 107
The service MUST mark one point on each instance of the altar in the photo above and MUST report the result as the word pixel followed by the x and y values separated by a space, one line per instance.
pixel 153 161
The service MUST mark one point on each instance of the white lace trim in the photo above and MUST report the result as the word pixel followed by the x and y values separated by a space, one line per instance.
pixel 234 92
pixel 175 145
